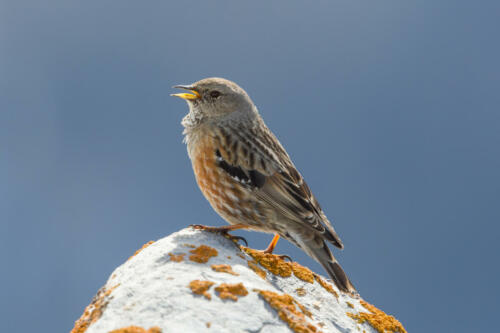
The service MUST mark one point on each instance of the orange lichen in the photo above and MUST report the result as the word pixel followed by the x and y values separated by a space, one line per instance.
pixel 276 265
pixel 349 304
pixel 271 262
pixel 199 287
pixel 94 310
pixel 228 257
pixel 241 255
pixel 285 305
pixel 224 269
pixel 136 329
pixel 302 272
pixel 176 257
pixel 255 267
pixel 189 245
pixel 202 254
pixel 231 291
pixel 142 248
pixel 380 321
pixel 303 309
pixel 326 285
pixel 300 291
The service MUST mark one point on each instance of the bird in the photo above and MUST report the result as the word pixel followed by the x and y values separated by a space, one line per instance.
pixel 248 177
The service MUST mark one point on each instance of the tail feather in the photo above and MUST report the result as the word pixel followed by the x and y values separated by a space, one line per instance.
pixel 338 276
pixel 324 256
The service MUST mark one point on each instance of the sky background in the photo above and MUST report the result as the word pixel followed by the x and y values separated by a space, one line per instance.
pixel 390 109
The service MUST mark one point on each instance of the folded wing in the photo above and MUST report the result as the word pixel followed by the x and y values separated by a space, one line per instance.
pixel 259 163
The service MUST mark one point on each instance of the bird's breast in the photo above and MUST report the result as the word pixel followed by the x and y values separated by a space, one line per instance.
pixel 228 198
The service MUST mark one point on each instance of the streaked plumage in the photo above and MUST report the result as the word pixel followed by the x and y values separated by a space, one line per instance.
pixel 248 177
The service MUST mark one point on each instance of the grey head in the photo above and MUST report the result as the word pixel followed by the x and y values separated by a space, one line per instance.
pixel 215 99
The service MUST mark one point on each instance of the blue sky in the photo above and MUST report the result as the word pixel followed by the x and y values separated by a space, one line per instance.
pixel 389 109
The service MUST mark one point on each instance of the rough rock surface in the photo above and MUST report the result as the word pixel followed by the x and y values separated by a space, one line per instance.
pixel 195 281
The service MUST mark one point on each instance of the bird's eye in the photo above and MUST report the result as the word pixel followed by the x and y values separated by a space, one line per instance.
pixel 214 94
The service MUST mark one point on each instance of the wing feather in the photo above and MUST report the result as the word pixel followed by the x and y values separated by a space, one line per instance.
pixel 262 165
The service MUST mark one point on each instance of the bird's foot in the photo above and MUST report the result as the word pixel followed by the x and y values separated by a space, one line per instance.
pixel 224 231
pixel 264 252
pixel 271 247
pixel 283 257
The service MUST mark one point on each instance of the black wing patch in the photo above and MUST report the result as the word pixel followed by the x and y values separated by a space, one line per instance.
pixel 249 178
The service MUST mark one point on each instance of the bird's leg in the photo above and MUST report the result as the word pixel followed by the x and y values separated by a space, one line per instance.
pixel 272 245
pixel 224 230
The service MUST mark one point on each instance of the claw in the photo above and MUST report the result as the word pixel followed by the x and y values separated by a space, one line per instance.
pixel 284 256
pixel 237 238
pixel 224 231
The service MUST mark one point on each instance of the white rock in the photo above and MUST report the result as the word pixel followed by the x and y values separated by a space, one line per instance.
pixel 152 290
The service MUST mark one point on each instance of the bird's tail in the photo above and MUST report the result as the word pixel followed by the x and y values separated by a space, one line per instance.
pixel 322 254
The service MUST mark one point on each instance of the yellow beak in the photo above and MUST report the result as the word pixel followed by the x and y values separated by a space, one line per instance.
pixel 187 96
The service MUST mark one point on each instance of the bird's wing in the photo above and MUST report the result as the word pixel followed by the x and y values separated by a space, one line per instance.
pixel 258 161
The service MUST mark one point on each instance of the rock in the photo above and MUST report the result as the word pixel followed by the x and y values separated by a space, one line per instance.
pixel 196 281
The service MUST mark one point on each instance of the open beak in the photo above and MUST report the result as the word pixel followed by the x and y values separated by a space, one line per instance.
pixel 187 96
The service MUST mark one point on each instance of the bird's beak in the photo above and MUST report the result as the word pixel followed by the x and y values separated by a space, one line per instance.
pixel 187 96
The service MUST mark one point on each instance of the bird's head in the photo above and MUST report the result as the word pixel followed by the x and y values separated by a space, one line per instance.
pixel 214 98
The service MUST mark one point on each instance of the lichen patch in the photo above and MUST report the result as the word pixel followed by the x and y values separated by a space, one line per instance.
pixel 302 272
pixel 276 265
pixel 199 287
pixel 254 266
pixel 326 285
pixel 290 311
pixel 271 262
pixel 136 329
pixel 223 268
pixel 380 321
pixel 231 291
pixel 142 248
pixel 177 257
pixel 189 245
pixel 349 304
pixel 202 254
pixel 94 310
pixel 301 291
